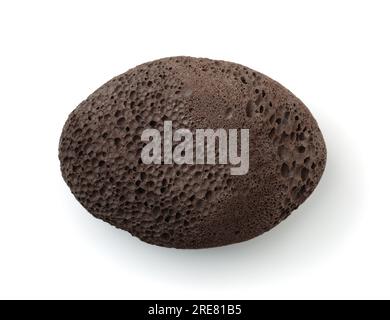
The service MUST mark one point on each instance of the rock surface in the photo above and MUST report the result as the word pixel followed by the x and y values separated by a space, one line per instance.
pixel 191 206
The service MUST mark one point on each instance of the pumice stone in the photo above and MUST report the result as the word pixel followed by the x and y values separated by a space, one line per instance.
pixel 192 153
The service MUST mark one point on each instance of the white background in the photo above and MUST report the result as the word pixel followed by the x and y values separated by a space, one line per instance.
pixel 334 55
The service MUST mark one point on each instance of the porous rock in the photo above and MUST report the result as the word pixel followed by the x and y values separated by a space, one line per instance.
pixel 191 206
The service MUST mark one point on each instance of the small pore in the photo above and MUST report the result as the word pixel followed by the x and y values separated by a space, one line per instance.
pixel 121 121
pixel 165 236
pixel 301 149
pixel 285 170
pixel 304 173
pixel 229 113
pixel 117 141
pixel 250 108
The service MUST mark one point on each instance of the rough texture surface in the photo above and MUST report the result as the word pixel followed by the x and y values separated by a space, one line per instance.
pixel 191 206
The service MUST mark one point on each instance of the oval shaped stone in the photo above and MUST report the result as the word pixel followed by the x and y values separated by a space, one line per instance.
pixel 192 153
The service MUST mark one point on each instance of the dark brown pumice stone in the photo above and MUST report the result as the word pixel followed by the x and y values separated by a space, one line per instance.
pixel 191 205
